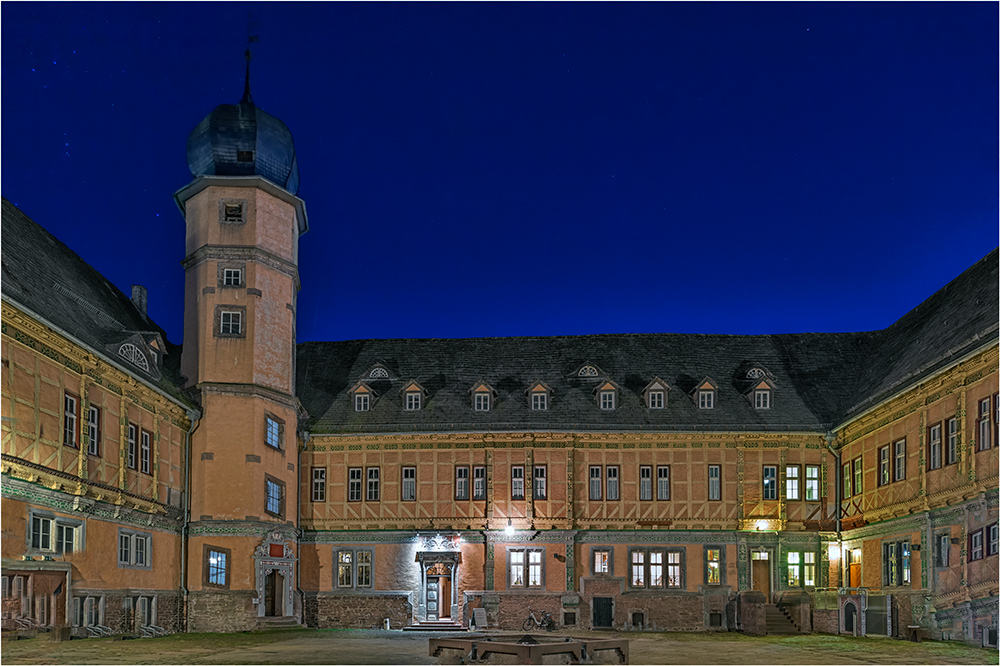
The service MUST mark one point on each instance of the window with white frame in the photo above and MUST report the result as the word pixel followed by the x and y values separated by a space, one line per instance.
pixel 899 460
pixel 602 561
pixel 607 399
pixel 373 492
pixel 378 373
pixel 412 401
pixel 230 322
pixel 145 451
pixel 663 482
pixel 49 533
pixel 809 569
pixel 135 549
pixel 942 549
pixel 481 401
pixel 792 482
pixel 845 476
pixel 539 487
pixel 883 466
pixel 517 482
pixel 319 484
pixel 539 401
pixel 762 399
pixel 654 400
pixel 462 482
pixel 595 482
pixel 131 453
pixel 274 431
pixel 976 545
pixel 613 482
pixel 354 568
pixel 983 441
pixel 706 399
pixel 812 483
pixel 714 482
pixel 858 475
pixel 93 431
pixel 991 539
pixel 526 567
pixel 794 569
pixel 951 455
pixel 479 482
pixel 934 446
pixel 232 277
pixel 896 563
pixel 770 482
pixel 645 482
pixel 637 569
pixel 70 406
pixel 354 479
pixel 675 568
pixel 362 402
pixel 409 490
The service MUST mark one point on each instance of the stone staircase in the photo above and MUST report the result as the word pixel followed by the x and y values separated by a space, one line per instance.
pixel 277 622
pixel 778 621
pixel 438 625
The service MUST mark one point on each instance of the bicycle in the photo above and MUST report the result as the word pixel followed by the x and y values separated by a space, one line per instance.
pixel 543 620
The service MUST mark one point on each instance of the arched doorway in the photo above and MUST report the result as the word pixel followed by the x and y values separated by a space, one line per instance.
pixel 273 562
pixel 274 587
pixel 850 617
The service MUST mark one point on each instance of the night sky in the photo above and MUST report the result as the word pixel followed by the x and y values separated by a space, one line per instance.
pixel 533 169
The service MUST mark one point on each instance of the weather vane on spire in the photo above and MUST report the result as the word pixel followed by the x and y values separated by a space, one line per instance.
pixel 246 83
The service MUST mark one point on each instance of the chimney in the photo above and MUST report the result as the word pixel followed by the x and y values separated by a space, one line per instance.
pixel 139 298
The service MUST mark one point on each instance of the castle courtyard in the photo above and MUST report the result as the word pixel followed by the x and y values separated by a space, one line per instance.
pixel 307 646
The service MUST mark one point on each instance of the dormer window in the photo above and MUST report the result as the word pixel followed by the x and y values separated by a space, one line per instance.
pixel 762 399
pixel 588 371
pixel 655 394
pixel 363 397
pixel 378 372
pixel 482 397
pixel 607 399
pixel 133 355
pixel 413 396
pixel 706 399
pixel 654 400
pixel 607 395
pixel 755 373
pixel 538 396
pixel 539 401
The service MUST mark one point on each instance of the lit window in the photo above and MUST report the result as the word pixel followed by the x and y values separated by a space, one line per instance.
pixel 612 482
pixel 412 400
pixel 134 550
pixel 354 568
pixel 595 482
pixel 792 482
pixel 354 484
pixel 145 450
pixel 762 399
pixel 275 495
pixel 714 482
pixel 794 579
pixel 809 569
pixel 526 567
pixel 539 401
pixel 364 573
pixel 674 568
pixel 232 277
pixel 607 399
pixel 934 446
pixel 345 568
pixel 517 482
pixel 462 483
pixel 706 399
pixel 655 399
pixel 883 466
pixel 373 488
pixel 900 460
pixel 516 560
pixel 812 483
pixel 846 477
pixel 274 432
pixel 69 420
pixel 93 431
pixel 663 482
pixel 230 322
pixel 482 401
pixel 538 482
pixel 645 482
pixel 602 561
pixel 361 402
pixel 770 482
pixel 217 570
pixel 638 566
pixel 858 475
pixel 409 484
pixel 713 569
pixel 318 484
pixel 479 483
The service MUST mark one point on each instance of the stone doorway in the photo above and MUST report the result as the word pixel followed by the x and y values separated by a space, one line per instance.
pixel 274 587
pixel 439 557
pixel 273 562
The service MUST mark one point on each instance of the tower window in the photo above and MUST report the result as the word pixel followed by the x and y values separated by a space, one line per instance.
pixel 232 277
pixel 229 321
pixel 233 211
pixel 244 156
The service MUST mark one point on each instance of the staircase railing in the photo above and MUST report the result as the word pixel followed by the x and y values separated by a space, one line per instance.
pixel 152 631
pixel 99 631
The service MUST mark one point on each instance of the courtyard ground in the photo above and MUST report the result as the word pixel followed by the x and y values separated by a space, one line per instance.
pixel 310 646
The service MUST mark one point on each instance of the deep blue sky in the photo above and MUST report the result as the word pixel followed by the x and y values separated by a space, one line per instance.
pixel 534 169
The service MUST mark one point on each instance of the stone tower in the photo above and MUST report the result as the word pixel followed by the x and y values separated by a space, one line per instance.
pixel 241 279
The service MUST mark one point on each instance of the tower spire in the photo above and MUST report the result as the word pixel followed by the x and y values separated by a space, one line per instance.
pixel 247 99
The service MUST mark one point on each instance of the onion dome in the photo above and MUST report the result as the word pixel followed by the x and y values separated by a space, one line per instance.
pixel 242 140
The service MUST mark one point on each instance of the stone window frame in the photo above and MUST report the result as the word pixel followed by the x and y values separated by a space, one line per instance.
pixel 526 565
pixel 317 484
pixel 611 560
pixel 228 217
pixel 354 564
pixel 221 269
pixel 801 564
pixel 722 562
pixel 217 321
pixel 82 607
pixel 206 552
pixel 270 481
pixel 664 564
pixel 134 537
pixel 54 522
pixel 270 418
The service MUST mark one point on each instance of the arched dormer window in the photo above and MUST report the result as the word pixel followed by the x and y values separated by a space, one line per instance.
pixel 588 371
pixel 133 355
pixel 378 372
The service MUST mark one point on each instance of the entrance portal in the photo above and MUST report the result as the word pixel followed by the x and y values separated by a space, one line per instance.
pixel 760 573
pixel 850 616
pixel 274 587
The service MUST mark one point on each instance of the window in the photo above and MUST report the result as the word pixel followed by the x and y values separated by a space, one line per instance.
pixel 645 482
pixel 216 565
pixel 595 482
pixel 612 482
pixel 646 568
pixel 378 373
pixel 318 484
pixel 70 405
pixel 896 563
pixel 131 353
pixel 482 401
pixel 526 567
pixel 539 489
pixel 373 491
pixel 654 399
pixel 675 567
pixel 88 611
pixel 274 431
pixel 637 577
pixel 934 446
pixel 952 452
pixel 409 490
pixel 845 476
pixel 715 482
pixel 792 482
pixel 794 570
pixel 713 566
pixel 607 399
pixel 274 496
pixel 354 484
pixel 232 211
pixel 602 561
pixel 663 482
pixel 770 482
pixel 54 534
pixel 857 476
pixel 230 322
pixel 145 449
pixel 362 402
pixel 942 549
pixel 478 483
pixel 131 452
pixel 412 401
pixel 135 550
pixel 883 466
pixel 809 569
pixel 899 467
pixel 462 482
pixel 991 541
pixel 539 401
pixel 354 568
pixel 983 441
pixel 517 482
pixel 976 545
pixel 232 277
pixel 706 399
pixel 762 399
pixel 812 483
pixel 93 431
pixel 587 371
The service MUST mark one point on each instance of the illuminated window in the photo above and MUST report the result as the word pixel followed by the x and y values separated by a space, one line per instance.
pixel 517 482
pixel 794 572
pixel 318 484
pixel 674 568
pixel 216 566
pixel 770 482
pixel 638 569
pixel 526 567
pixel 602 561
pixel 792 482
pixel 354 568
pixel 713 566
pixel 812 483
pixel 345 568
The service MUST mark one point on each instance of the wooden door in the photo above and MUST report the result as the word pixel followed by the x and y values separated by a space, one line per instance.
pixel 273 588
pixel 855 575
pixel 433 599
pixel 444 583
pixel 603 611
pixel 761 576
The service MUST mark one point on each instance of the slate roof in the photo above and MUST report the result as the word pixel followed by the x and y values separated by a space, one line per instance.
pixel 46 277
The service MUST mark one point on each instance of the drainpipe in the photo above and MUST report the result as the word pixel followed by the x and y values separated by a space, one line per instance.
pixel 298 523
pixel 195 417
pixel 830 438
